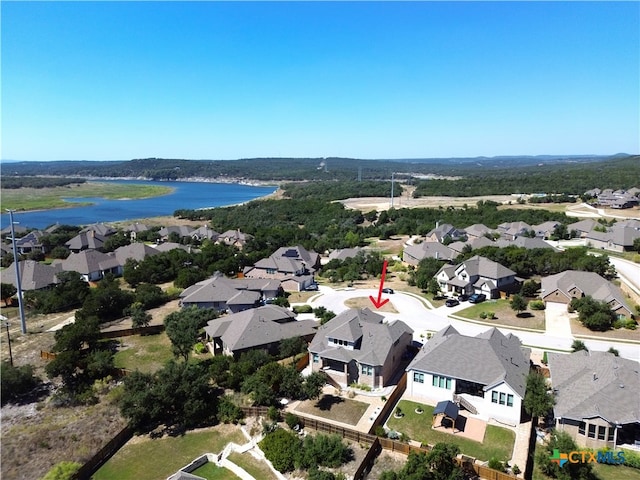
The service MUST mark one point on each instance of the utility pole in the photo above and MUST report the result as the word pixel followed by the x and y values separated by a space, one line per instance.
pixel 23 322
pixel 392 180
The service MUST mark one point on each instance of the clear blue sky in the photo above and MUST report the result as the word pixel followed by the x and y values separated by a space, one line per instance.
pixel 214 80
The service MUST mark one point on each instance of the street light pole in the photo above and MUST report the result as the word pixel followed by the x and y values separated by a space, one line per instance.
pixel 23 323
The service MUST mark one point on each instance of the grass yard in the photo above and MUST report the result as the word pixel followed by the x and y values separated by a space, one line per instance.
pixel 533 319
pixel 144 458
pixel 48 198
pixel 340 409
pixel 252 466
pixel 615 472
pixel 498 442
pixel 211 471
pixel 146 353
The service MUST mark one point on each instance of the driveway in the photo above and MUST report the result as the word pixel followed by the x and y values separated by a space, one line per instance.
pixel 557 321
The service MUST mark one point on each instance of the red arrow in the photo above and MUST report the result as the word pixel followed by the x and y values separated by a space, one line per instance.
pixel 379 302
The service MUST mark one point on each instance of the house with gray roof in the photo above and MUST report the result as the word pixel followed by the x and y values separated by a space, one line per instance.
pixel 478 230
pixel 478 275
pixel 344 253
pixel 134 229
pixel 442 232
pixel 511 230
pixel 413 254
pixel 258 328
pixel 180 230
pixel 472 243
pixel 92 265
pixel 168 246
pixel 583 227
pixel 134 251
pixel 33 275
pixel 205 232
pixel 358 346
pixel 234 238
pixel 597 398
pixel 85 241
pixel 100 229
pixel 486 374
pixel 294 266
pixel 565 286
pixel 524 242
pixel 616 238
pixel 234 295
pixel 31 242
pixel 545 230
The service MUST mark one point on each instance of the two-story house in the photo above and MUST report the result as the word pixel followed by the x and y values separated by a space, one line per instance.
pixel 477 275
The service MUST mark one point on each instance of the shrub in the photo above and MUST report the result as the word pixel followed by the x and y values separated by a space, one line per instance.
pixel 632 459
pixel 496 464
pixel 536 305
pixel 229 412
pixel 380 431
pixel 491 315
pixel 483 315
pixel 303 309
pixel 630 324
pixel 200 348
pixel 545 359
pixel 291 420
pixel 516 470
pixel 273 414
pixel 281 447
pixel 62 471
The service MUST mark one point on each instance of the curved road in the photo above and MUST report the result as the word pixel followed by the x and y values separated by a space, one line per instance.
pixel 414 312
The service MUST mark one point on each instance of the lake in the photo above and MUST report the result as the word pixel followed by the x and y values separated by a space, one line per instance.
pixel 186 195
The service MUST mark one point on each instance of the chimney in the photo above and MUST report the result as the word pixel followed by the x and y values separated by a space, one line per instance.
pixel 595 376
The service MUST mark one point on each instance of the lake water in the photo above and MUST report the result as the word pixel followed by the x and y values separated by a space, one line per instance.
pixel 186 195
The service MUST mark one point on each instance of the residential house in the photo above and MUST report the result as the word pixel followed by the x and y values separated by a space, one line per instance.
pixel 134 251
pixel 443 232
pixel 33 275
pixel 100 229
pixel 134 229
pixel 180 230
pixel 616 238
pixel 31 242
pixel 617 199
pixel 205 232
pixel 344 253
pixel 545 230
pixel 413 254
pixel 92 265
pixel 583 227
pixel 234 238
pixel 478 275
pixel 478 230
pixel 565 286
pixel 473 244
pixel 597 398
pixel 511 230
pixel 486 374
pixel 231 294
pixel 294 266
pixel 258 328
pixel 18 230
pixel 168 246
pixel 524 242
pixel 357 346
pixel 85 241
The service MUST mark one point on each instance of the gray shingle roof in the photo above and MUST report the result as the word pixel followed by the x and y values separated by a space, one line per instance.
pixel 258 326
pixel 430 250
pixel 487 359
pixel 89 261
pixel 85 240
pixel 595 384
pixel 481 266
pixel 135 251
pixel 33 275
pixel 373 339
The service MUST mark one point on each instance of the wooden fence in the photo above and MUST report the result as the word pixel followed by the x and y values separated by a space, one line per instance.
pixel 47 355
pixel 368 460
pixel 302 363
pixel 390 403
pixel 127 332
pixel 255 411
pixel 104 454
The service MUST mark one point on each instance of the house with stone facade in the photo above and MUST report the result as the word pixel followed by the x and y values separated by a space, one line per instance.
pixel 477 275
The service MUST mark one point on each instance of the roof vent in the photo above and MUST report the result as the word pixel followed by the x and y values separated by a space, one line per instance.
pixel 621 385
pixel 595 376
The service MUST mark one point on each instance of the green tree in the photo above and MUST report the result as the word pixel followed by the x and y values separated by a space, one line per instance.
pixel 139 317
pixel 290 347
pixel 518 304
pixel 530 288
pixel 563 443
pixel 537 400
pixel 16 381
pixel 593 314
pixel 182 328
pixel 313 385
pixel 281 448
pixel 7 290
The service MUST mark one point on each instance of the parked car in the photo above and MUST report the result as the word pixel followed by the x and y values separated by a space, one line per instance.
pixel 312 288
pixel 387 290
pixel 463 298
pixel 477 298
pixel 451 302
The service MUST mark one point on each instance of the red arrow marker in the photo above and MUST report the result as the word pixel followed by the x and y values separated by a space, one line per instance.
pixel 379 302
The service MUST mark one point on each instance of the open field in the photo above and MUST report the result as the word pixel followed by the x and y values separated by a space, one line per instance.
pixel 47 198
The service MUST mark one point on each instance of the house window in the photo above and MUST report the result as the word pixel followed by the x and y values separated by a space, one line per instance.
pixel 494 397
pixel 418 377
pixel 610 436
pixel 509 400
pixel 316 358
pixel 503 398
pixel 581 428
pixel 602 431
pixel 367 369
pixel 592 431
pixel 271 271
pixel 441 382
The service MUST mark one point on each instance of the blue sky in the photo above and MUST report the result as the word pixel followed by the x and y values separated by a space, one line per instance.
pixel 218 80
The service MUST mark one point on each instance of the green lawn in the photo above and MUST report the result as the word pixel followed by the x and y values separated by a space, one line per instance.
pixel 211 471
pixel 47 198
pixel 504 315
pixel 616 472
pixel 498 442
pixel 143 458
pixel 252 466
pixel 146 353
pixel 340 409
